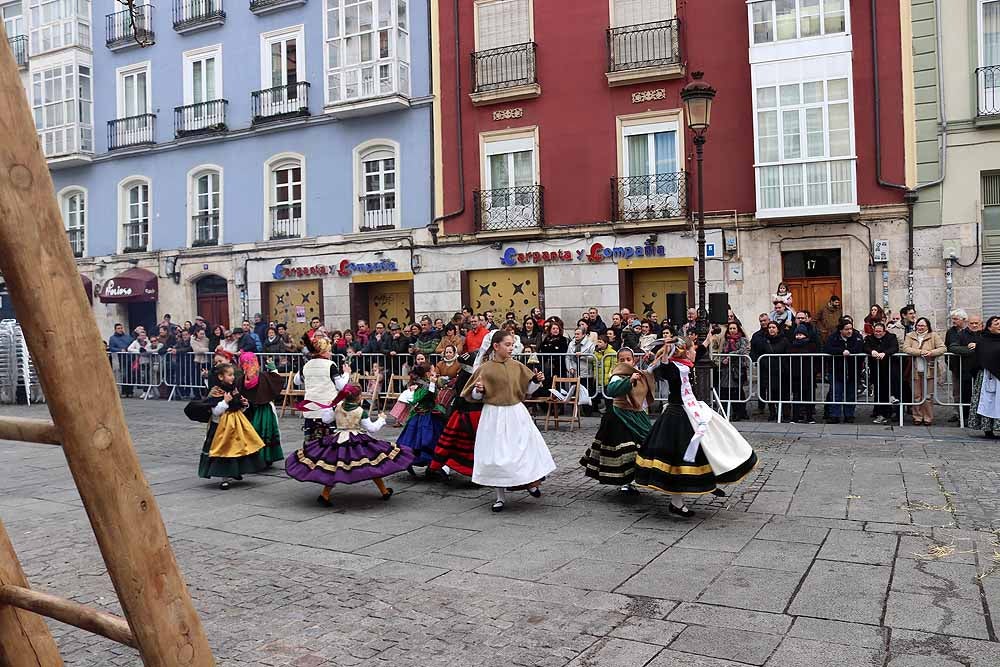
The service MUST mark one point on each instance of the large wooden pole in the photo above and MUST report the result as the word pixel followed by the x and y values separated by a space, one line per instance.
pixel 63 339
pixel 25 640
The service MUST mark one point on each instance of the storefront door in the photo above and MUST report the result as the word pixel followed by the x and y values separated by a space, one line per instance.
pixel 650 288
pixel 505 290
pixel 213 300
pixel 294 303
pixel 386 300
pixel 812 276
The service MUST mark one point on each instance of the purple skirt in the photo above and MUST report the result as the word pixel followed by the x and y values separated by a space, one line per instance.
pixel 360 457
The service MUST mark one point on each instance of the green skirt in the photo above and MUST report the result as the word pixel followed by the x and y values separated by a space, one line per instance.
pixel 266 424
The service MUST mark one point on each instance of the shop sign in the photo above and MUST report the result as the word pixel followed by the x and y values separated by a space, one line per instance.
pixel 597 253
pixel 343 268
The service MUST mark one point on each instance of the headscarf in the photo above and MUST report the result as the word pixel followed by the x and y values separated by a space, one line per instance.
pixel 251 369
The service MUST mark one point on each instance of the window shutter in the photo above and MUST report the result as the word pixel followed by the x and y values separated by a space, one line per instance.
pixel 634 12
pixel 503 23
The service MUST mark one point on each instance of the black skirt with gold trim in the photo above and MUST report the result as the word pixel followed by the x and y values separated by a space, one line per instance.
pixel 660 463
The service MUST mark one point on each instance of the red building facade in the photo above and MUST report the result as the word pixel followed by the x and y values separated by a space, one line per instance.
pixel 571 124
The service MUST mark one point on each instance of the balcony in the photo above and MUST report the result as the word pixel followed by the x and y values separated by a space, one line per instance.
pixel 988 79
pixel 280 102
pixel 206 230
pixel 265 6
pixel 653 197
pixel 124 29
pixel 76 240
pixel 378 212
pixel 644 52
pixel 508 209
pixel 504 74
pixel 814 188
pixel 132 131
pixel 19 47
pixel 193 15
pixel 135 237
pixel 200 118
pixel 70 145
pixel 286 222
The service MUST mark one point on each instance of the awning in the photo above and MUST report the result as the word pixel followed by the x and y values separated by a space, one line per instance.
pixel 88 287
pixel 131 286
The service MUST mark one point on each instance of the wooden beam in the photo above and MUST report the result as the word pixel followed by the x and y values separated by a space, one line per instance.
pixel 71 613
pixel 44 285
pixel 25 640
pixel 29 430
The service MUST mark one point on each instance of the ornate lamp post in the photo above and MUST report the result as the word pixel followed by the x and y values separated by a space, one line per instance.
pixel 697 97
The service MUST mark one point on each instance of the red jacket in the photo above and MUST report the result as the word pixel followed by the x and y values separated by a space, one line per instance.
pixel 474 339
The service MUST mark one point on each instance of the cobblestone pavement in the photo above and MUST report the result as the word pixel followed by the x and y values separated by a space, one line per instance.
pixel 850 546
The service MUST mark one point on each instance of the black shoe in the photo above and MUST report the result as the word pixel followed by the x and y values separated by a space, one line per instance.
pixel 225 485
pixel 719 493
pixel 413 473
pixel 832 420
pixel 848 420
pixel 325 502
pixel 238 478
pixel 685 511
pixel 498 506
pixel 388 493
pixel 535 492
pixel 628 490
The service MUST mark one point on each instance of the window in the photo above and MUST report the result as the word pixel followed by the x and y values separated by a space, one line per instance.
pixel 367 49
pixel 805 127
pixel 13 19
pixel 59 23
pixel 205 197
pixel 502 23
pixel 377 169
pixel 989 57
pixel 285 198
pixel 782 20
pixel 203 75
pixel 511 195
pixel 652 186
pixel 637 12
pixel 505 53
pixel 134 94
pixel 134 213
pixel 74 211
pixel 61 101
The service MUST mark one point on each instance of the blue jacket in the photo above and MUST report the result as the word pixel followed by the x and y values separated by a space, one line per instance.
pixel 119 342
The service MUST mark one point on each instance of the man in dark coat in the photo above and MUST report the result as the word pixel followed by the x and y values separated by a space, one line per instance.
pixel 964 347
pixel 843 344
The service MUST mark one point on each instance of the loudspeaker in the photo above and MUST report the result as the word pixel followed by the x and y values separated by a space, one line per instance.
pixel 677 307
pixel 718 307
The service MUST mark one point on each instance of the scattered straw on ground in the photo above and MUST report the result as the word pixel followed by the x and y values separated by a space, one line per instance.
pixel 939 551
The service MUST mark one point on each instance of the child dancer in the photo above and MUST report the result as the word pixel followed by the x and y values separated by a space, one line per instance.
pixel 611 459
pixel 424 424
pixel 232 447
pixel 691 448
pixel 321 381
pixel 456 446
pixel 260 390
pixel 509 451
pixel 348 454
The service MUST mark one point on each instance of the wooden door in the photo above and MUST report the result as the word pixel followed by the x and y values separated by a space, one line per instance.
pixel 505 290
pixel 215 309
pixel 390 299
pixel 812 293
pixel 651 286
pixel 294 303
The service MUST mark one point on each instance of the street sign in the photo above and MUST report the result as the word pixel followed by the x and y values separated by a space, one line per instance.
pixel 710 250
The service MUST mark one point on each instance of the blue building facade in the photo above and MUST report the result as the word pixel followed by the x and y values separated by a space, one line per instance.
pixel 186 139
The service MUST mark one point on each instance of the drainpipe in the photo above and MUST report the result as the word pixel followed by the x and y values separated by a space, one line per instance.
pixel 434 228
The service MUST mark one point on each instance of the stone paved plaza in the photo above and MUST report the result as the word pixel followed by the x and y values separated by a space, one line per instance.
pixel 850 546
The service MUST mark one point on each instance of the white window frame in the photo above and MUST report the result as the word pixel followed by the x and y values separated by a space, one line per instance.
pixel 798 24
pixel 649 123
pixel 361 151
pixel 19 22
pixel 482 3
pixel 988 96
pixel 192 199
pixel 64 196
pixel 397 60
pixel 670 12
pixel 298 32
pixel 270 165
pixel 130 70
pixel 195 55
pixel 504 142
pixel 76 26
pixel 73 130
pixel 124 186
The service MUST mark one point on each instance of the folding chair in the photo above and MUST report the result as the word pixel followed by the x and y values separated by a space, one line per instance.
pixel 392 389
pixel 369 388
pixel 569 387
pixel 289 393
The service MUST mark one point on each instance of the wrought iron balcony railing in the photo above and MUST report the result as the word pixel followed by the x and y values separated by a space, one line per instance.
pixel 136 237
pixel 76 240
pixel 506 67
pixel 286 221
pixel 206 230
pixel 378 212
pixel 200 118
pixel 131 131
pixel 191 14
pixel 654 197
pixel 19 47
pixel 509 208
pixel 988 79
pixel 280 102
pixel 263 6
pixel 130 27
pixel 645 45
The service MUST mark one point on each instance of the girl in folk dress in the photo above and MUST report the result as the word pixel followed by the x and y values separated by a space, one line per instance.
pixel 509 451
pixel 348 454
pixel 322 381
pixel 691 448
pixel 456 446
pixel 611 458
pixel 425 421
pixel 260 389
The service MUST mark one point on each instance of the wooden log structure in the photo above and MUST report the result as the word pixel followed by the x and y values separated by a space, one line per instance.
pixel 68 612
pixel 44 285
pixel 29 430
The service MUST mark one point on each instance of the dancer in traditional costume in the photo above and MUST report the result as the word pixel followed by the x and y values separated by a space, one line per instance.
pixel 260 389
pixel 348 453
pixel 232 446
pixel 456 447
pixel 509 451
pixel 322 379
pixel 691 448
pixel 425 421
pixel 625 426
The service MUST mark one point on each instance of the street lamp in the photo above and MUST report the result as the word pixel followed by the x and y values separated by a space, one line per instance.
pixel 697 97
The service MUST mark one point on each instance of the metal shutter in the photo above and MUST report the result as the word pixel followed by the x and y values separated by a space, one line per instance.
pixel 991 290
pixel 503 23
pixel 635 12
